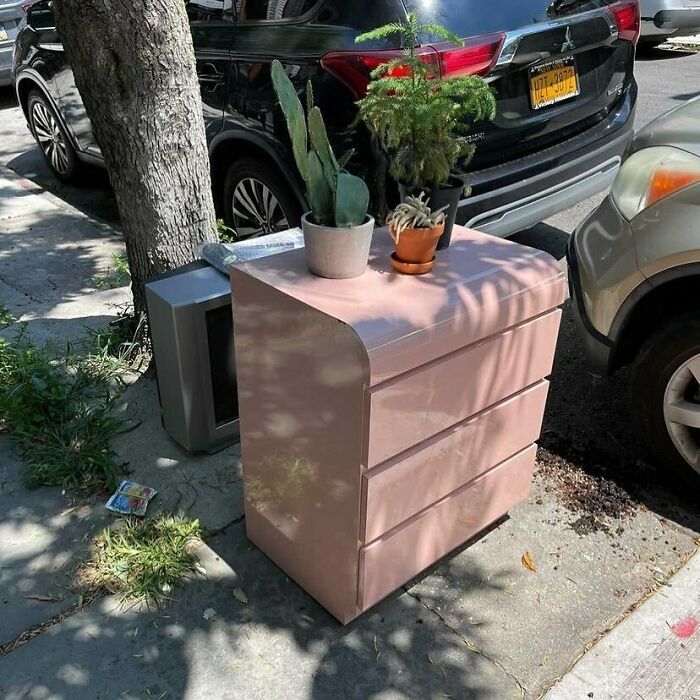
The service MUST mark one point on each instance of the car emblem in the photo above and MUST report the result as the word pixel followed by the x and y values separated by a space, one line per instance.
pixel 568 44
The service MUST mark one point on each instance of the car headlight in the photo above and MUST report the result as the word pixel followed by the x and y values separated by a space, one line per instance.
pixel 652 174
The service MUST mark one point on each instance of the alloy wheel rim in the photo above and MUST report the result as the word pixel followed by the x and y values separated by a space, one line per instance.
pixel 682 410
pixel 256 209
pixel 50 138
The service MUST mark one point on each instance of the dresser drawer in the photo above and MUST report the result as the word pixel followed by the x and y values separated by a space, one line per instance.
pixel 406 411
pixel 398 556
pixel 398 490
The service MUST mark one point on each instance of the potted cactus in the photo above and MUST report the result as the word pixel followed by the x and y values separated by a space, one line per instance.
pixel 337 230
pixel 416 230
pixel 422 119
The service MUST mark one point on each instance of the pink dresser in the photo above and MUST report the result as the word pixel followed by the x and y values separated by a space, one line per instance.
pixel 387 419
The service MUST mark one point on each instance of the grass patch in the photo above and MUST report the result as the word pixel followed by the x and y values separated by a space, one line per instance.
pixel 144 559
pixel 6 317
pixel 60 408
pixel 118 275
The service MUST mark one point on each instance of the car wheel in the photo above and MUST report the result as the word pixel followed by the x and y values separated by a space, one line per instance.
pixel 257 201
pixel 52 139
pixel 665 385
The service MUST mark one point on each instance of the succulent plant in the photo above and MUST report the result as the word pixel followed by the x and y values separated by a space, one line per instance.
pixel 337 198
pixel 414 212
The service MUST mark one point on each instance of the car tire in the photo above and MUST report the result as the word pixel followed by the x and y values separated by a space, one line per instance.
pixel 52 139
pixel 660 379
pixel 255 184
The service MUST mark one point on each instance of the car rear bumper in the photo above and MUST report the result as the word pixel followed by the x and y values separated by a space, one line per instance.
pixel 521 193
pixel 598 348
pixel 675 17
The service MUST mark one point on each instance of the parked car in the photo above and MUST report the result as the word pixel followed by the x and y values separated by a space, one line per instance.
pixel 562 72
pixel 635 283
pixel 11 12
pixel 662 19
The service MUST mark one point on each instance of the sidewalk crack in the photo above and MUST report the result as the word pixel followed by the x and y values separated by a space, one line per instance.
pixel 36 630
pixel 522 689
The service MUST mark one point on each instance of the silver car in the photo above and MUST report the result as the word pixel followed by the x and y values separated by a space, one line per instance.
pixel 11 13
pixel 634 273
pixel 662 19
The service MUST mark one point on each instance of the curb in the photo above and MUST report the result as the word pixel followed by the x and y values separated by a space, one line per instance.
pixel 54 201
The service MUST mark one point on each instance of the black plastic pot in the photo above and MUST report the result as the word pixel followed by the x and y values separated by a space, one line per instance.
pixel 448 195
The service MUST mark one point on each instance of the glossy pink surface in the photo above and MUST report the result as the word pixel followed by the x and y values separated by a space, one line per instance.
pixel 398 556
pixel 402 487
pixel 387 370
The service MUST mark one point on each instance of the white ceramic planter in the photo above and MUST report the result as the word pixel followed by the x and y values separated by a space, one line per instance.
pixel 337 253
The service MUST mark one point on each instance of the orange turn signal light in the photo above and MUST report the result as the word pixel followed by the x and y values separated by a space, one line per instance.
pixel 666 181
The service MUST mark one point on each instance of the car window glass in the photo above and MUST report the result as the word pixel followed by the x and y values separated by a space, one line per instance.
pixel 272 10
pixel 360 16
pixel 40 16
pixel 210 10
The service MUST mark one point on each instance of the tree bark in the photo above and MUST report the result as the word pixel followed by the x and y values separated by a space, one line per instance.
pixel 134 67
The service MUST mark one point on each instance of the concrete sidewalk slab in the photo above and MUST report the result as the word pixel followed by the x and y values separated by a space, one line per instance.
pixel 44 534
pixel 49 254
pixel 535 623
pixel 204 486
pixel 280 644
pixel 654 654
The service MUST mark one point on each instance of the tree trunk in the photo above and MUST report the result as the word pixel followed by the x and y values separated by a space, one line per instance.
pixel 134 67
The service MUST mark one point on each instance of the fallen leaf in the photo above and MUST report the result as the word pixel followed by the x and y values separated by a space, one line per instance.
pixel 209 613
pixel 472 647
pixel 240 595
pixel 528 562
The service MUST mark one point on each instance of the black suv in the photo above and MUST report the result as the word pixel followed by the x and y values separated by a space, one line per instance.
pixel 562 72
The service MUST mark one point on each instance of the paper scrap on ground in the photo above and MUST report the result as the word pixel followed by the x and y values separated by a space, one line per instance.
pixel 130 498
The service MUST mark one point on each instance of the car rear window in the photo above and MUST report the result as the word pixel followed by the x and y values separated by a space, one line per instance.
pixel 474 17
pixel 363 15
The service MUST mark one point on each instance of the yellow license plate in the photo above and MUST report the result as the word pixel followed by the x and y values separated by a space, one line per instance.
pixel 3 33
pixel 553 82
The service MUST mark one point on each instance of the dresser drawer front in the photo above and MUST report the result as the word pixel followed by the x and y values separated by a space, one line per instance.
pixel 417 406
pixel 396 558
pixel 398 490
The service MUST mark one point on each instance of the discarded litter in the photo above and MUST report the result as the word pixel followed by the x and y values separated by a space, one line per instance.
pixel 130 498
pixel 209 614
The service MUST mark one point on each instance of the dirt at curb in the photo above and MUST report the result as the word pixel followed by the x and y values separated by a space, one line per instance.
pixel 596 502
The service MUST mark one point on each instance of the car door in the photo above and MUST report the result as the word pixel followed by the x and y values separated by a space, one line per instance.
pixel 212 26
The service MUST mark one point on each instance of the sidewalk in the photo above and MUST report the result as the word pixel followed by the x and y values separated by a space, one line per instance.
pixel 477 625
pixel 654 654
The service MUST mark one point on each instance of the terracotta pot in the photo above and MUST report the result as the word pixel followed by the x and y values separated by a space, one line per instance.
pixel 447 195
pixel 417 245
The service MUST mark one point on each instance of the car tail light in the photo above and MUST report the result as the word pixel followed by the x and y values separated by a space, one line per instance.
pixel 477 57
pixel 651 175
pixel 26 5
pixel 353 68
pixel 628 18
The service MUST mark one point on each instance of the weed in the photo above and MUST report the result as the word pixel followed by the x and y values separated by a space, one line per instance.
pixel 116 276
pixel 121 347
pixel 144 559
pixel 226 233
pixel 6 317
pixel 60 407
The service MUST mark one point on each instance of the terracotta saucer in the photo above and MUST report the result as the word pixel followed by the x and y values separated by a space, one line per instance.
pixel 408 268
